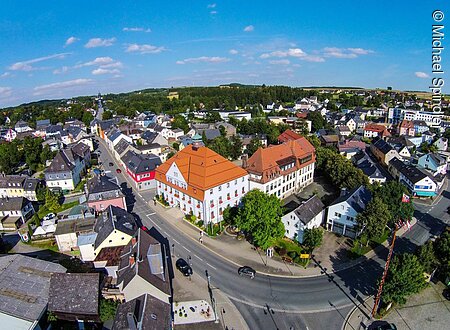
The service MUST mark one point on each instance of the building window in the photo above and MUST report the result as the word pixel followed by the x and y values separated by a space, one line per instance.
pixel 220 188
pixel 210 191
pixel 337 214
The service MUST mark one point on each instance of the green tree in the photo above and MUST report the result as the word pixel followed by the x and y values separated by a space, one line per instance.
pixel 180 122
pixel 107 309
pixel 221 145
pixel 107 115
pixel 391 193
pixel 213 117
pixel 405 277
pixel 46 154
pixel 260 216
pixel 427 257
pixel 317 120
pixel 442 249
pixel 52 201
pixel 236 147
pixel 254 145
pixel 373 220
pixel 36 220
pixel 312 238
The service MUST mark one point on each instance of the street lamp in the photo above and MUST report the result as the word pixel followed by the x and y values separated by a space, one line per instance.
pixel 173 250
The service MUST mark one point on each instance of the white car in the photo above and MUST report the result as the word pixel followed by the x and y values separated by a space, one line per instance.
pixel 49 216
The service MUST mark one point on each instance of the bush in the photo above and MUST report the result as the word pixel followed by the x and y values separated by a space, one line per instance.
pixel 293 254
pixel 282 251
pixel 200 223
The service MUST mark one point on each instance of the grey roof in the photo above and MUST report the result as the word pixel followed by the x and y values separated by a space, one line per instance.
pixel 67 226
pixel 61 163
pixel 209 133
pixel 148 146
pixel 437 159
pixel 149 136
pixel 113 135
pixel 399 141
pixel 86 239
pixel 137 163
pixel 356 198
pixel 102 183
pixel 309 209
pixel 74 130
pixel 383 146
pixel 420 123
pixel 76 293
pixel 21 123
pixel 121 146
pixel 31 184
pixel 8 181
pixel 80 149
pixel 150 264
pixel 53 129
pixel 24 285
pixel 148 312
pixel 13 203
pixel 114 218
pixel 42 123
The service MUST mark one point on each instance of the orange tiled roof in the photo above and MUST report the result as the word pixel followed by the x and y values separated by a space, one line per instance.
pixel 375 128
pixel 407 124
pixel 288 135
pixel 266 162
pixel 202 169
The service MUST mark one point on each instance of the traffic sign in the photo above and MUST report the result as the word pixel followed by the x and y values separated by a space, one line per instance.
pixel 304 256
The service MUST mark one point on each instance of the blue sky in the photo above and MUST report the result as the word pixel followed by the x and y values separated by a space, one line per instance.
pixel 54 49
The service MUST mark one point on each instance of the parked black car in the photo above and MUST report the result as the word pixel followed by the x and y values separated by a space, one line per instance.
pixel 247 271
pixel 111 164
pixel 183 267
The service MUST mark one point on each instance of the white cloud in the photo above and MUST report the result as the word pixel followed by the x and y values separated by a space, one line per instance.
pixel 136 29
pixel 212 5
pixel 71 40
pixel 204 59
pixel 249 28
pixel 5 92
pixel 345 52
pixel 280 62
pixel 294 52
pixel 213 12
pixel 99 42
pixel 313 58
pixel 105 71
pixel 422 75
pixel 5 74
pixel 43 89
pixel 144 49
pixel 97 61
pixel 64 69
pixel 233 51
pixel 27 65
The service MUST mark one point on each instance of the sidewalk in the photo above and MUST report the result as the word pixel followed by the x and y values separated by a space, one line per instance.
pixel 243 253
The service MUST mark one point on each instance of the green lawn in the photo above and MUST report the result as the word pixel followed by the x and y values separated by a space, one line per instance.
pixel 43 211
pixel 46 245
pixel 360 246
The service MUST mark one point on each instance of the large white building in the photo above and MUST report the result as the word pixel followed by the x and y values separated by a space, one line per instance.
pixel 282 169
pixel 201 182
pixel 431 118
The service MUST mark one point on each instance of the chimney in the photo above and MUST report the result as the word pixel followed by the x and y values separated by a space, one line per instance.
pixel 133 241
pixel 244 159
pixel 343 192
pixel 131 260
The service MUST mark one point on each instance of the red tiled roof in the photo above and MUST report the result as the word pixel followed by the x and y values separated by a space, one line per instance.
pixel 288 135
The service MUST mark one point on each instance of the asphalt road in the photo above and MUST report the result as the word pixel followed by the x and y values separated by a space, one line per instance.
pixel 289 302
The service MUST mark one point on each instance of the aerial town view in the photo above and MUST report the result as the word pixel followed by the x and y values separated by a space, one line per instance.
pixel 224 165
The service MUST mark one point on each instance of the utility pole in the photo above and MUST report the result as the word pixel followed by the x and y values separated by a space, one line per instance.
pixel 386 267
pixel 213 300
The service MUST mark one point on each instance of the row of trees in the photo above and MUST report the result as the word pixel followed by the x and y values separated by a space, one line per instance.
pixel 28 151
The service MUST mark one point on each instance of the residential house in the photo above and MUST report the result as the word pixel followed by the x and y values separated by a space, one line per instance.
pixel 341 214
pixel 149 137
pixel 239 115
pixel 187 141
pixel 247 139
pixel 143 268
pixel 441 144
pixel 201 182
pixel 24 284
pixel 406 127
pixel 307 215
pixel 41 126
pixel 75 297
pixel 383 152
pixel 53 144
pixel 68 230
pixel 103 191
pixel 434 163
pixel 349 148
pixel 22 126
pixel 19 186
pixel 329 140
pixel 376 130
pixel 288 135
pixel 121 148
pixel 351 124
pixel 282 169
pixel 52 131
pixel 67 167
pixel 8 134
pixel 368 167
pixel 418 182
pixel 141 169
pixel 14 212
pixel 420 127
pixel 143 312
pixel 343 130
pixel 114 227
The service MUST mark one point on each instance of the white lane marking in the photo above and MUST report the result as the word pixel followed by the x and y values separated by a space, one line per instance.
pixel 211 266
pixel 175 241
pixel 186 249
pixel 165 233
pixel 157 226
pixel 198 257
pixel 148 215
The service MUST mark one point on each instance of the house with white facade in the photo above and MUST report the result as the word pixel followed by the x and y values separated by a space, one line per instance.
pixel 201 182
pixel 434 163
pixel 308 215
pixel 341 214
pixel 282 169
pixel 441 144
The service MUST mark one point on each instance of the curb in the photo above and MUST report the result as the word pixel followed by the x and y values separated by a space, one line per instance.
pixel 350 314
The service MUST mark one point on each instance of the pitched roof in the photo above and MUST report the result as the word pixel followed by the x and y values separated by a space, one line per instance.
pixel 148 262
pixel 148 312
pixel 13 203
pixel 288 135
pixel 357 198
pixel 383 146
pixel 201 168
pixel 309 209
pixel 114 218
pixel 268 161
pixel 102 183
pixel 406 124
pixel 76 293
pixel 374 128
pixel 138 163
pixel 8 181
pixel 24 285
pixel 79 225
